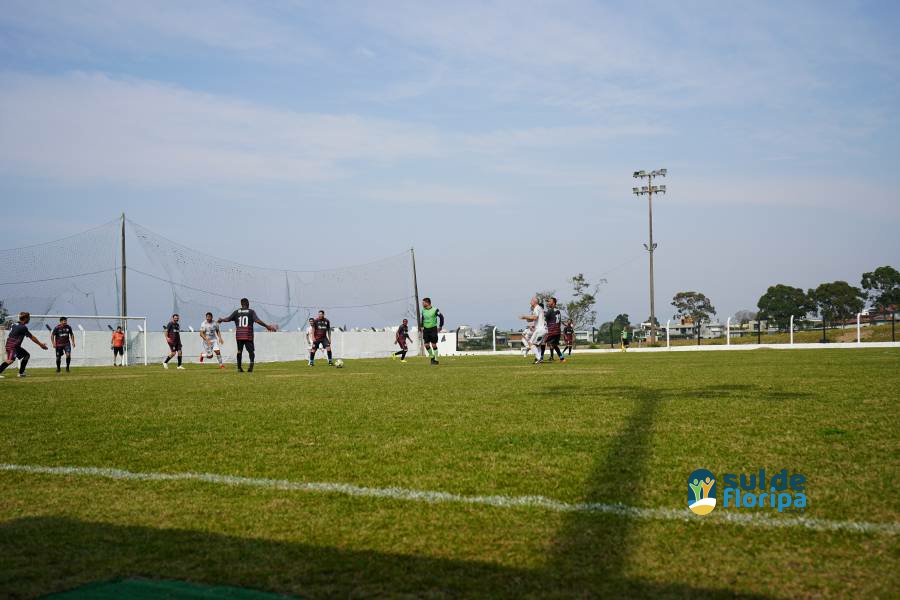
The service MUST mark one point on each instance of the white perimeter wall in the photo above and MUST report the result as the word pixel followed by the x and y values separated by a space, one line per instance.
pixel 93 347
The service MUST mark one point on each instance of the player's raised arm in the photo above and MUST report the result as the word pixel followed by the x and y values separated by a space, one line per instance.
pixel 229 318
pixel 260 322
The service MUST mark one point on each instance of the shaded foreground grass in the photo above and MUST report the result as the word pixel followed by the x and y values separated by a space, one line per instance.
pixel 615 428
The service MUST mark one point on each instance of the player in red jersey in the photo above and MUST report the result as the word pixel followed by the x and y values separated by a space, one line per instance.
pixel 244 318
pixel 569 336
pixel 321 338
pixel 14 347
pixel 63 339
pixel 173 338
pixel 400 340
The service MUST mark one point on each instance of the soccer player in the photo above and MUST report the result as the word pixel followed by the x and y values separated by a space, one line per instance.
pixel 400 340
pixel 553 318
pixel 321 338
pixel 569 336
pixel 536 340
pixel 212 337
pixel 432 321
pixel 173 338
pixel 117 344
pixel 14 347
pixel 310 334
pixel 625 343
pixel 244 318
pixel 63 339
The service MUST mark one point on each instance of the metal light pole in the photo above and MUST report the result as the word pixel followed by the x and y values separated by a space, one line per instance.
pixel 649 190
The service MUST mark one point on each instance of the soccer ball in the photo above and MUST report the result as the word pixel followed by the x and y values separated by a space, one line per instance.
pixel 339 364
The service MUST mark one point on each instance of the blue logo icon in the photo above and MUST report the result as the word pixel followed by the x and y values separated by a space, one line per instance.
pixel 701 492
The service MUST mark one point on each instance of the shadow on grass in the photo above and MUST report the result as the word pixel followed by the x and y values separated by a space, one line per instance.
pixel 589 558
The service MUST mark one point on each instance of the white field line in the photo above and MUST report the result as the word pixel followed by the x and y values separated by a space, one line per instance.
pixel 431 497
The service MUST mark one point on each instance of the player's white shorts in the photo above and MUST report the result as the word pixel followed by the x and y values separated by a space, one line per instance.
pixel 538 335
pixel 211 346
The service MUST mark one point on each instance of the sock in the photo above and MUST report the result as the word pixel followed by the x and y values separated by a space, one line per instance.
pixel 430 352
pixel 219 356
pixel 240 357
pixel 58 361
pixel 435 354
pixel 179 360
pixel 312 356
pixel 252 356
pixel 22 364
pixel 250 368
pixel 168 358
pixel 329 356
pixel 558 351
pixel 68 362
pixel 3 366
pixel 398 352
pixel 403 355
pixel 543 348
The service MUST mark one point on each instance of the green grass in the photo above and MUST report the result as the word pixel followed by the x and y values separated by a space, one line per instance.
pixel 609 428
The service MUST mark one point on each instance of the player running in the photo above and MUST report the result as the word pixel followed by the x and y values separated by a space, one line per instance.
pixel 173 338
pixel 431 322
pixel 569 336
pixel 244 318
pixel 553 318
pixel 14 347
pixel 536 338
pixel 400 340
pixel 321 338
pixel 625 341
pixel 212 337
pixel 117 345
pixel 63 339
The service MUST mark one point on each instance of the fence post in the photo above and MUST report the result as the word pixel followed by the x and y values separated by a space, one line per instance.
pixel 792 330
pixel 494 340
pixel 667 332
pixel 858 328
pixel 728 331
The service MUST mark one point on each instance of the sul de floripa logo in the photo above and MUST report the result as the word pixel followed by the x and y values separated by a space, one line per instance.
pixel 785 492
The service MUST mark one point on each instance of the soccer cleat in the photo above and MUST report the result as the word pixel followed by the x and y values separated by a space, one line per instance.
pixel 393 356
pixel 562 360
pixel 538 362
pixel 57 369
pixel 434 362
pixel 403 360
pixel 310 364
pixel 22 375
pixel 250 368
pixel 165 365
pixel 330 364
pixel 240 369
pixel 201 359
pixel 179 367
pixel 221 366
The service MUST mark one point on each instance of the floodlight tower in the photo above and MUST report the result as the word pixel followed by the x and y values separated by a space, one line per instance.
pixel 649 190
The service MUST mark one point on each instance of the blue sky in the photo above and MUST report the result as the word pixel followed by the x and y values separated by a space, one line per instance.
pixel 497 138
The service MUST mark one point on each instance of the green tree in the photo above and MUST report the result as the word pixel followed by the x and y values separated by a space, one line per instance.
pixel 882 288
pixel 581 308
pixel 837 300
pixel 694 305
pixel 4 315
pixel 542 296
pixel 781 301
pixel 744 316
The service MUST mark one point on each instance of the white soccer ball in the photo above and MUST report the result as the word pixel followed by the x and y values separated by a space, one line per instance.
pixel 339 363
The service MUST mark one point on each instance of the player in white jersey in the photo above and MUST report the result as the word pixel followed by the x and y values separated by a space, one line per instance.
pixel 533 337
pixel 212 337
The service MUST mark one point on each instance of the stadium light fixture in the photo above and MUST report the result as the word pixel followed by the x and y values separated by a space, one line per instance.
pixel 649 190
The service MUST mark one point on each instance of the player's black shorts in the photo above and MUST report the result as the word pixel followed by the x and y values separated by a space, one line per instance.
pixel 248 344
pixel 552 340
pixel 430 335
pixel 626 342
pixel 67 349
pixel 118 350
pixel 323 343
pixel 14 353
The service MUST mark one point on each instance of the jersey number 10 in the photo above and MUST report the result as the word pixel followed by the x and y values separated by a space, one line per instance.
pixel 243 321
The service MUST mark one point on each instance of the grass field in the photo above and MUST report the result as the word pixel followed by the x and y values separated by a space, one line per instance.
pixel 615 428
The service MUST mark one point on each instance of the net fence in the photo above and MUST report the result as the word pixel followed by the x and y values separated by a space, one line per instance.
pixel 81 274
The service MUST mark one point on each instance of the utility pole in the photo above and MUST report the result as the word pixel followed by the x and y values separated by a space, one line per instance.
pixel 412 254
pixel 649 190
pixel 124 286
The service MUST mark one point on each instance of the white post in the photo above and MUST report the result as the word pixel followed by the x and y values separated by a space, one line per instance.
pixel 728 331
pixel 125 347
pixel 667 332
pixel 792 330
pixel 494 340
pixel 144 335
pixel 858 328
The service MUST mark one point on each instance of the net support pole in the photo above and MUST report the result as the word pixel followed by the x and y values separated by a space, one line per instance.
pixel 412 254
pixel 124 297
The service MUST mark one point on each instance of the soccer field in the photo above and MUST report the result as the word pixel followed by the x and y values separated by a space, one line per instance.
pixel 557 480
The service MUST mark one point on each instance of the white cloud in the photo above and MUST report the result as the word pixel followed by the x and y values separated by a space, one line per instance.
pixel 91 126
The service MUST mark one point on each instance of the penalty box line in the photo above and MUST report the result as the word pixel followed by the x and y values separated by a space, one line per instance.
pixel 497 501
